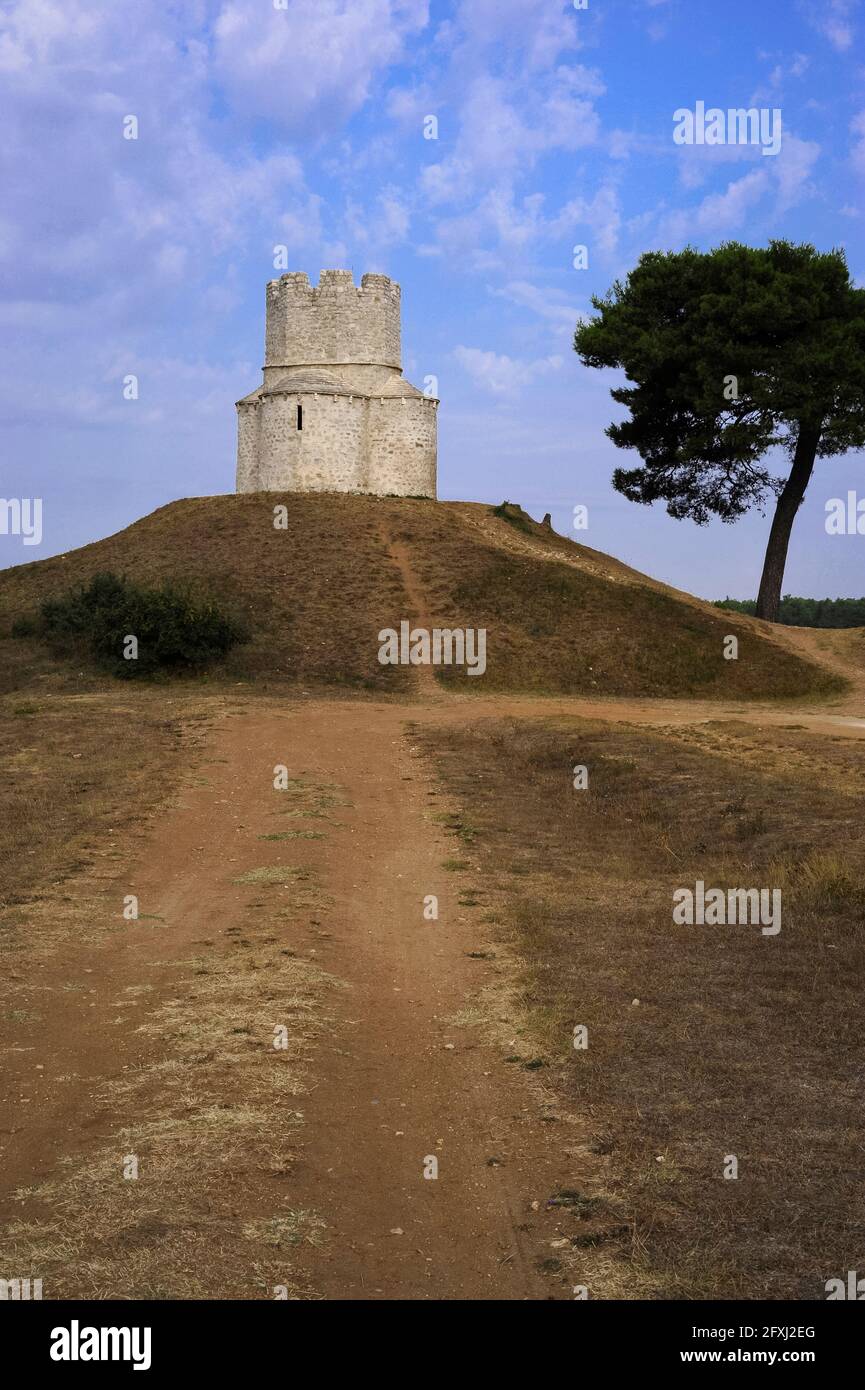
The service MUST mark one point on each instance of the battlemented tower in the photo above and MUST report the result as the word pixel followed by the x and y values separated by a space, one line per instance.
pixel 334 412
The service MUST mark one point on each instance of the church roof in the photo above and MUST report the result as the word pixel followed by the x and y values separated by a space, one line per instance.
pixel 306 381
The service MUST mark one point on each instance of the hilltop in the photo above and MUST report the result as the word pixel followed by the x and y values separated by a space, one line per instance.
pixel 561 618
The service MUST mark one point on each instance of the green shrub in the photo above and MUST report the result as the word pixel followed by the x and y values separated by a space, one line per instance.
pixel 175 630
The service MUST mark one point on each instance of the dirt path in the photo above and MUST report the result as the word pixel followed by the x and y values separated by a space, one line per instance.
pixel 845 719
pixel 418 613
pixel 401 1081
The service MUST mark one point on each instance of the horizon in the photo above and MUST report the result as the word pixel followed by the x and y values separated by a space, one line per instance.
pixel 150 256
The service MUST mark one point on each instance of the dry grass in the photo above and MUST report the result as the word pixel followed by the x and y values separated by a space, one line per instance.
pixel 571 629
pixel 703 1041
pixel 312 595
pixel 560 617
pixel 75 775
pixel 212 1106
pixel 211 1109
pixel 214 1125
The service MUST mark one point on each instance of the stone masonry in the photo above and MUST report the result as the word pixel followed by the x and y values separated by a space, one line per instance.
pixel 334 412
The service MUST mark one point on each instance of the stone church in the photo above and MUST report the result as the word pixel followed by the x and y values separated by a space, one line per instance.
pixel 334 412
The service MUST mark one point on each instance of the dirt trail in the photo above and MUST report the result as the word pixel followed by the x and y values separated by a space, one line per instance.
pixel 418 614
pixel 400 1081
pixel 845 718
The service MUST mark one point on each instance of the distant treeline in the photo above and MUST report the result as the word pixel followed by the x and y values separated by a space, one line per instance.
pixel 808 612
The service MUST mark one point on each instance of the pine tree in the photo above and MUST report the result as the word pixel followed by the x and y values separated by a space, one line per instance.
pixel 730 353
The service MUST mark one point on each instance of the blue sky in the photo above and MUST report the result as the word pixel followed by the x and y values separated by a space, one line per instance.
pixel 303 126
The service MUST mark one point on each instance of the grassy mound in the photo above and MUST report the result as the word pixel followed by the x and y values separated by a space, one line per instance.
pixel 314 578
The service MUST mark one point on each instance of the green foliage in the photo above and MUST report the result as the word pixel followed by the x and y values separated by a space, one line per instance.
pixel 807 612
pixel 175 630
pixel 785 321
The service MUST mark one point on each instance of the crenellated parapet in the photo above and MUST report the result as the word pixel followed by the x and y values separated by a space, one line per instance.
pixel 333 322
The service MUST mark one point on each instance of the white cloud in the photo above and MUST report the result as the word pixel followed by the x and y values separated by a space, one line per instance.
pixel 310 66
pixel 832 19
pixel 535 29
pixel 115 242
pixel 379 226
pixel 503 131
pixel 793 168
pixel 500 229
pixel 547 304
pixel 779 183
pixel 718 215
pixel 600 214
pixel 500 374
pixel 94 209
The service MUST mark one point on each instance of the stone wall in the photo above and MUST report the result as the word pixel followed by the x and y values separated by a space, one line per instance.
pixel 401 446
pixel 326 455
pixel 248 417
pixel 347 444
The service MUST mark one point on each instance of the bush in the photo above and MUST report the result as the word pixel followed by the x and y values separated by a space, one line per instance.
pixel 174 630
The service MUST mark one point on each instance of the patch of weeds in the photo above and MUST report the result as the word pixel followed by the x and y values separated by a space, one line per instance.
pixel 584 1207
pixel 272 873
pixel 457 823
pixel 295 835
pixel 298 1227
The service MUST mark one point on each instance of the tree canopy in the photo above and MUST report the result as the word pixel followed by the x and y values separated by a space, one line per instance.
pixel 807 612
pixel 728 354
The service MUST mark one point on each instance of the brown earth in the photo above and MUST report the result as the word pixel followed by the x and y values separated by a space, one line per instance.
pixel 562 618
pixel 297 1170
pixel 398 1075
pixel 400 1056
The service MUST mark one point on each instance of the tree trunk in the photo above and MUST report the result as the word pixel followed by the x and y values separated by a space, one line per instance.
pixel 769 597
